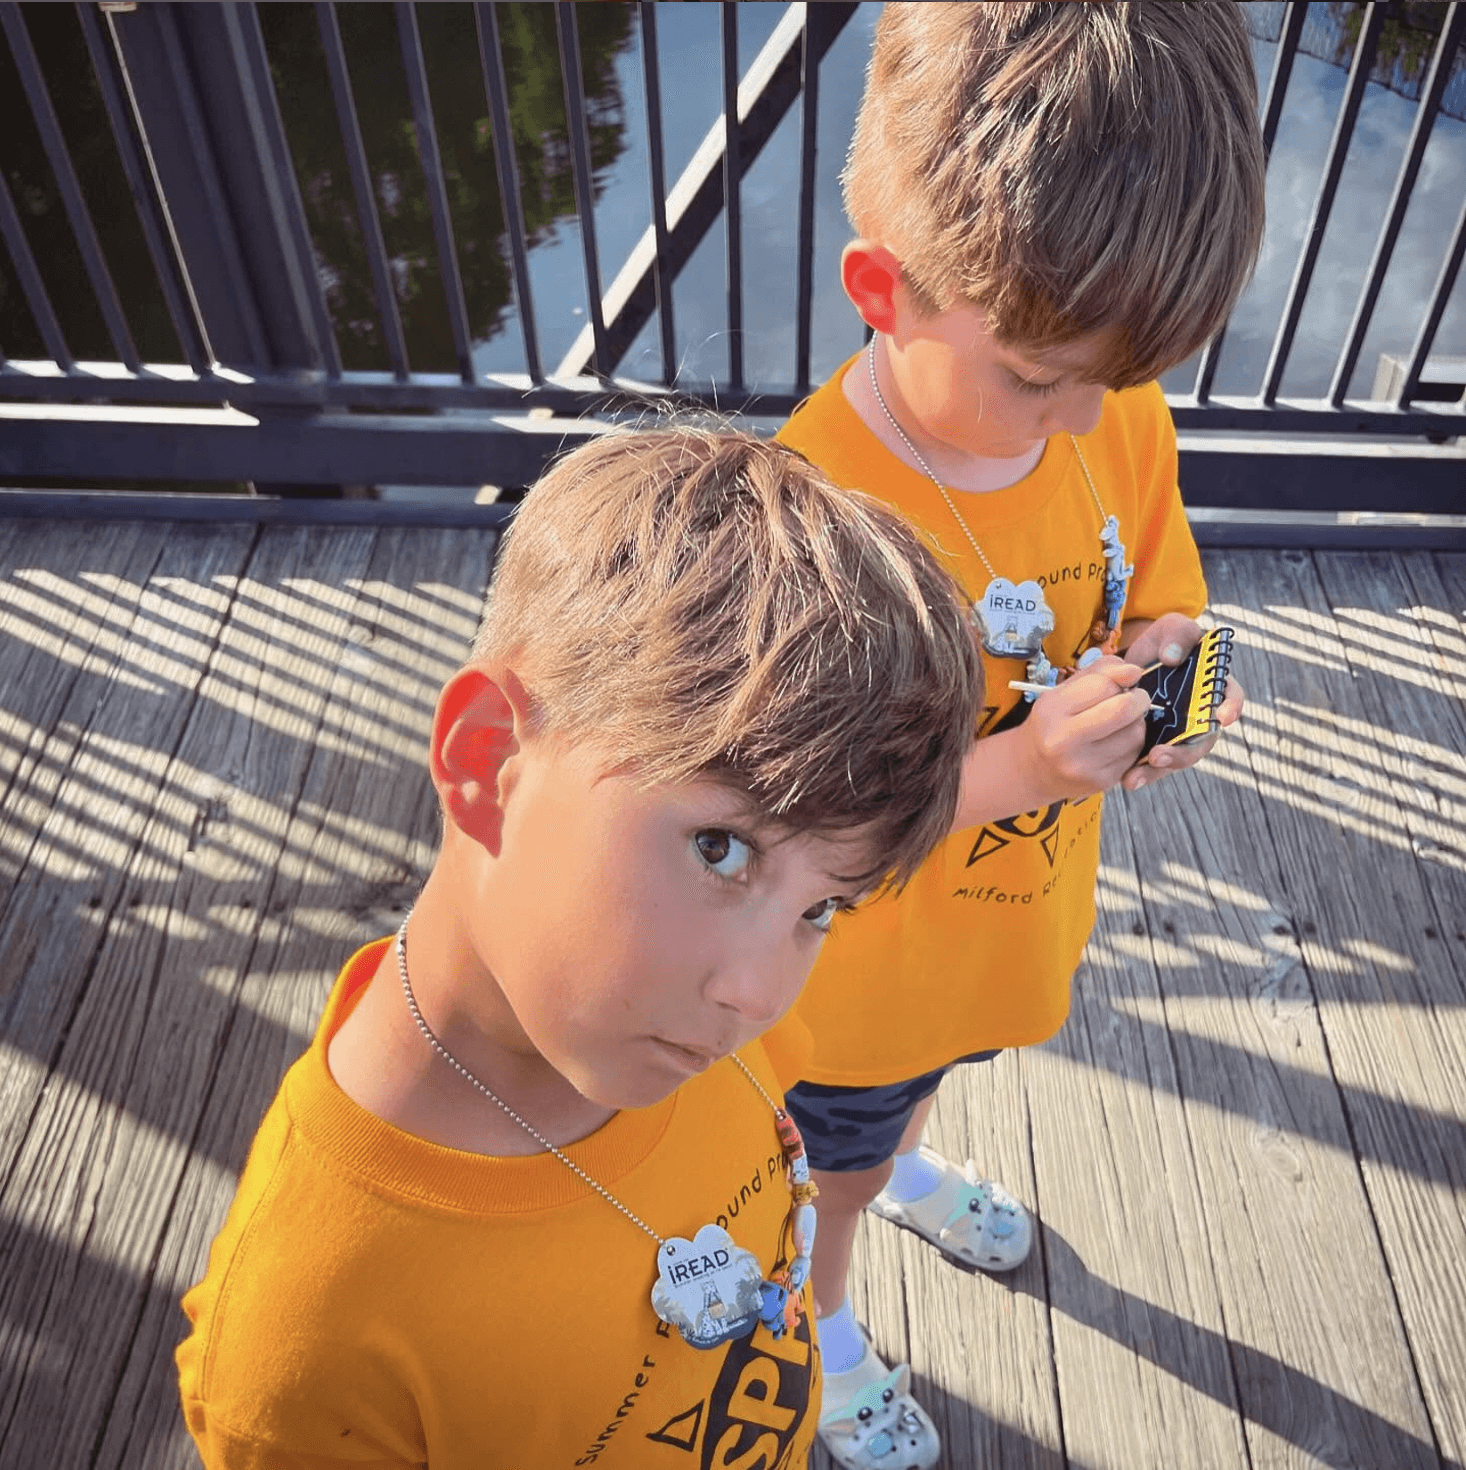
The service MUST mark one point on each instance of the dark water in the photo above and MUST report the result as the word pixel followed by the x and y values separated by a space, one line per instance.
pixel 369 34
pixel 689 49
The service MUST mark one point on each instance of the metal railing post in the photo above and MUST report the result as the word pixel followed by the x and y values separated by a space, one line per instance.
pixel 212 127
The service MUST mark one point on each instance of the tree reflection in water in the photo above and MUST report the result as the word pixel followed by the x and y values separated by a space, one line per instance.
pixel 374 59
pixel 465 142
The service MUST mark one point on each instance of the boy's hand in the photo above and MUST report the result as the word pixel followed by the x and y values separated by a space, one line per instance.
pixel 1085 733
pixel 1169 639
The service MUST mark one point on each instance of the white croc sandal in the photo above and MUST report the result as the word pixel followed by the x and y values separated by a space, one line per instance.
pixel 869 1421
pixel 975 1221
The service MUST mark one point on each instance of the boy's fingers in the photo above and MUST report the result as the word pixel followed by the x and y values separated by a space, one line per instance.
pixel 1098 683
pixel 1166 760
pixel 1118 712
pixel 1184 756
pixel 1167 640
pixel 1231 706
pixel 1117 670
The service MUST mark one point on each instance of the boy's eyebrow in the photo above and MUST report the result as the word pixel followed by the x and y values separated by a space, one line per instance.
pixel 770 830
pixel 863 885
pixel 1030 367
pixel 1056 359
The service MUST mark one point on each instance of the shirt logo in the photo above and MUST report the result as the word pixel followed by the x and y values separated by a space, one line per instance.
pixel 1041 826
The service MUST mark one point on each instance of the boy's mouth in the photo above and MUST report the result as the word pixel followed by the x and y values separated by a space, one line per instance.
pixel 690 1058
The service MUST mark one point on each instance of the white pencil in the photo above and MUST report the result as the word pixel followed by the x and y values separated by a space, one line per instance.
pixel 1024 687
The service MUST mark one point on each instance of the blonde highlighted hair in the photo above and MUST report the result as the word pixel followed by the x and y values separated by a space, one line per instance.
pixel 1067 168
pixel 710 605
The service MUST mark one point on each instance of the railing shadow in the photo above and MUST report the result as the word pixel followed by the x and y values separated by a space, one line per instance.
pixel 1349 1435
pixel 220 887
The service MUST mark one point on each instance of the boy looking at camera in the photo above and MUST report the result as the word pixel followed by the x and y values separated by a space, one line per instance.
pixel 527 1198
pixel 1054 203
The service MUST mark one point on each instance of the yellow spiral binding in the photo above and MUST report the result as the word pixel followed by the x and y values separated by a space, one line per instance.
pixel 1209 688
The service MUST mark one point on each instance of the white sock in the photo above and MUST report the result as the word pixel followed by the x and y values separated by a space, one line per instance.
pixel 842 1344
pixel 912 1177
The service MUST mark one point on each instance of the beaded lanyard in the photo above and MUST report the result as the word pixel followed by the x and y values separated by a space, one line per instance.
pixel 709 1288
pixel 1014 620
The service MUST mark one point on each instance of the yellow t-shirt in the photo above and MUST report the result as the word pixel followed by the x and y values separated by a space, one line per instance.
pixel 978 951
pixel 374 1299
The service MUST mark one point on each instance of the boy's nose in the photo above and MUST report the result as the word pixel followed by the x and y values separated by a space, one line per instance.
pixel 759 987
pixel 1078 412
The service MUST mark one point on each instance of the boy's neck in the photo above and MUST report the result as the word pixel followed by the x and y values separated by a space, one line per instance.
pixel 954 468
pixel 383 1062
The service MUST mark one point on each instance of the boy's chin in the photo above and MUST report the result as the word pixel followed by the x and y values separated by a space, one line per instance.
pixel 638 1086
pixel 640 1091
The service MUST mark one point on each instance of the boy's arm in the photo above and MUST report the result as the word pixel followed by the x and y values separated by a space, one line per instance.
pixel 1084 735
pixel 1080 737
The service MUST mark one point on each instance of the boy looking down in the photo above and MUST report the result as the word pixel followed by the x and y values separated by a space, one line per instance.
pixel 527 1198
pixel 1053 203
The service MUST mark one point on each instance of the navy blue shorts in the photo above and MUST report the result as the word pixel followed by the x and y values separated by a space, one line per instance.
pixel 850 1128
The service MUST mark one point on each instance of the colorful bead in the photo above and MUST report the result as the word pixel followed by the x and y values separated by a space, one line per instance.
pixel 790 1138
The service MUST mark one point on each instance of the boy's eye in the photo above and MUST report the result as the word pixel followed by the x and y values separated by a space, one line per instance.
pixel 1027 385
pixel 727 854
pixel 822 914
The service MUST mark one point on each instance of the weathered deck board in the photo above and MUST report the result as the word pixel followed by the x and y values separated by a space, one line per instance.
pixel 70 1214
pixel 1404 1103
pixel 355 846
pixel 1388 989
pixel 1283 1199
pixel 1246 1148
pixel 211 871
pixel 1127 1249
pixel 145 1036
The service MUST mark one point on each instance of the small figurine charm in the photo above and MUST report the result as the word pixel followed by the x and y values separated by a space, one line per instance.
pixel 774 1311
pixel 1106 631
pixel 1041 674
pixel 801 1221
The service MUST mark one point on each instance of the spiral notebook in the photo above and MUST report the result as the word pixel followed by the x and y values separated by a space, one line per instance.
pixel 1188 693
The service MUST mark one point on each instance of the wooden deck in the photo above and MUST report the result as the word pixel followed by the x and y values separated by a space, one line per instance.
pixel 1246 1148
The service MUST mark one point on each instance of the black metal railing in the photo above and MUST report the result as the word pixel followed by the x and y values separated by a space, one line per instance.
pixel 259 391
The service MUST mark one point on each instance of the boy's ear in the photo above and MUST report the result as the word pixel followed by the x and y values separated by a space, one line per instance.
pixel 870 275
pixel 476 730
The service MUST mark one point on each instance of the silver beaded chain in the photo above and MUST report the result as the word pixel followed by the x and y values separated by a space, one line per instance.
pixel 926 468
pixel 442 1051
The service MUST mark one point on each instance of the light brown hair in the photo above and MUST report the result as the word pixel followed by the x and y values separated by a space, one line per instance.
pixel 1067 168
pixel 706 604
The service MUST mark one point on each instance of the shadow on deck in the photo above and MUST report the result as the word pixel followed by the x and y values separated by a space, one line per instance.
pixel 1245 1148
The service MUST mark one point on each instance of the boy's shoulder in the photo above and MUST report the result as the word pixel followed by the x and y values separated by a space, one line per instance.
pixel 825 428
pixel 358 1263
pixel 827 431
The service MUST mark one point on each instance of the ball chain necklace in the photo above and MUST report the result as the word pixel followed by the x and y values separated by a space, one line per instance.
pixel 1015 620
pixel 708 1288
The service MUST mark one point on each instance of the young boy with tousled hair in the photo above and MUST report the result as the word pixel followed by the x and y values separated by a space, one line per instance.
pixel 1053 203
pixel 529 1197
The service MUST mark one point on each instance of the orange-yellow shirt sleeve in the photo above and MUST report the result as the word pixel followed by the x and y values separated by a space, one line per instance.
pixel 789 1047
pixel 1168 575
